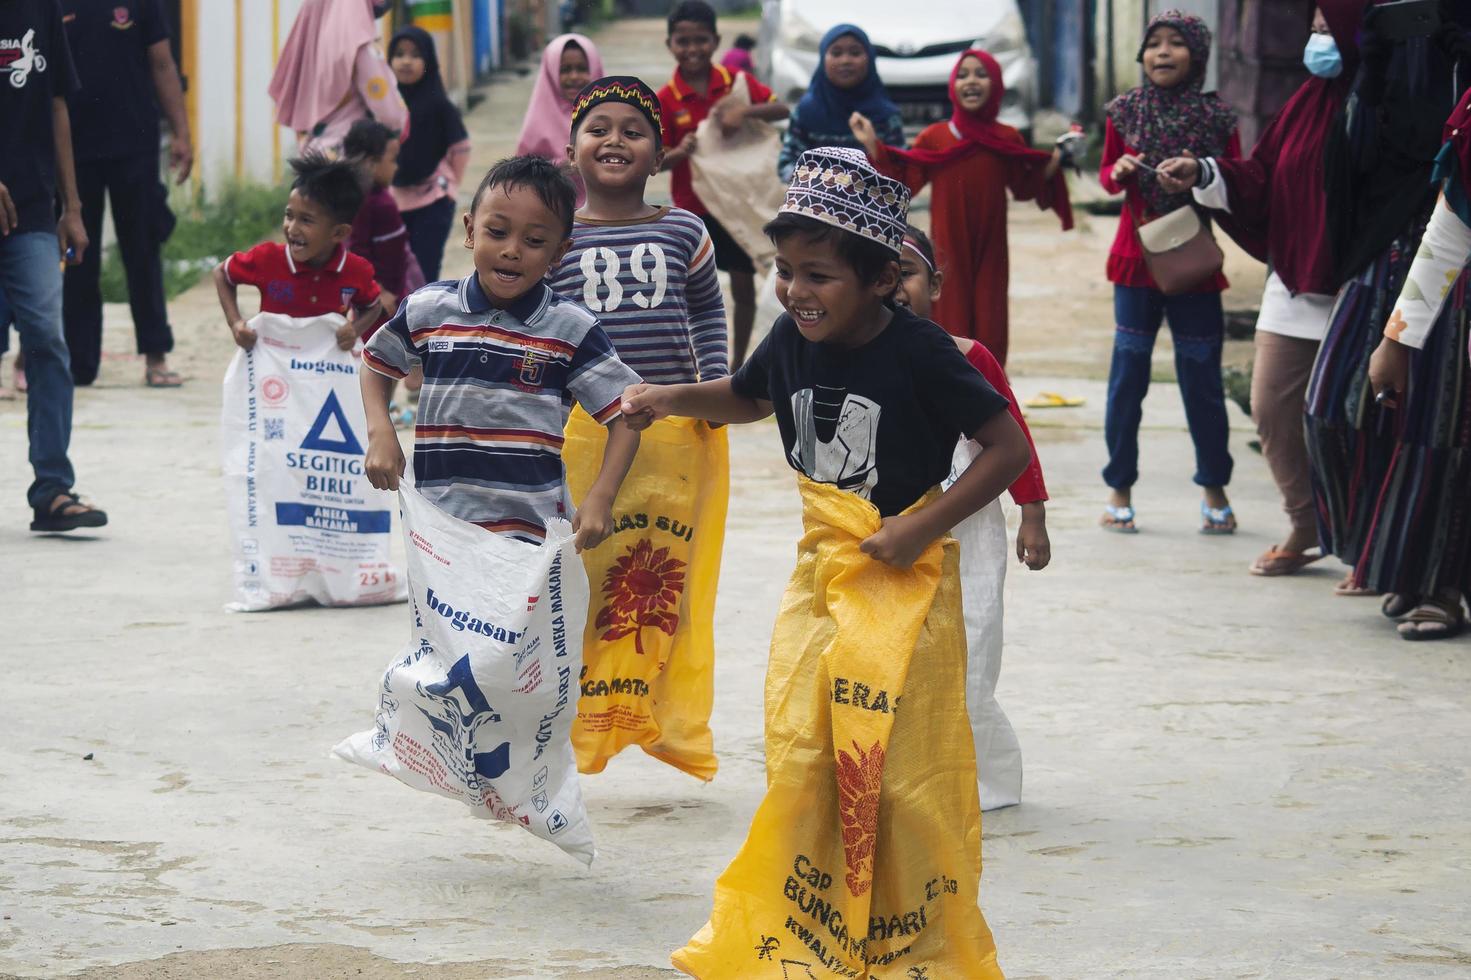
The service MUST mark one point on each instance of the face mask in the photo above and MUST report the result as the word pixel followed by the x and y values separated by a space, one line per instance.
pixel 1321 56
pixel 381 7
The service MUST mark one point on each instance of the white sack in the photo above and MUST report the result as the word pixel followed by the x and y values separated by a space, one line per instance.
pixel 479 705
pixel 304 523
pixel 984 551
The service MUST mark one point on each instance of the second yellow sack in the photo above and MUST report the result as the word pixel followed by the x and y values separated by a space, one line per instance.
pixel 648 674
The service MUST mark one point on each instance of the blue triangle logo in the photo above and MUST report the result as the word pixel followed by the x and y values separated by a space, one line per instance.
pixel 322 440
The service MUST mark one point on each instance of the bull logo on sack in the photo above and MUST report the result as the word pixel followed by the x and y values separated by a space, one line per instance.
pixel 859 778
pixel 464 723
pixel 642 589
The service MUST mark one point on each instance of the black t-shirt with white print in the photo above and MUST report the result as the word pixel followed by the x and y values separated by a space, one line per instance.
pixel 35 66
pixel 879 420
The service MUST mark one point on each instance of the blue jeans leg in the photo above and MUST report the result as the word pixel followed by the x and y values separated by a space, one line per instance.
pixel 30 275
pixel 1138 313
pixel 1198 326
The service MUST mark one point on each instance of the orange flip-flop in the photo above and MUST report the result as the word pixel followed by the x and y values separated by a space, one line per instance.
pixel 1278 561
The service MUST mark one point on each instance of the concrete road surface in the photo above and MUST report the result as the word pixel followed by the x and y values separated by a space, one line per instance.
pixel 1226 776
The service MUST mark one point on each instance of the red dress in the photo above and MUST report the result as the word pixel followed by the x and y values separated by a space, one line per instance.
pixel 968 225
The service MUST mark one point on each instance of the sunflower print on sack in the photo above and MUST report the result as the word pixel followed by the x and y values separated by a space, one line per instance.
pixel 642 590
pixel 859 779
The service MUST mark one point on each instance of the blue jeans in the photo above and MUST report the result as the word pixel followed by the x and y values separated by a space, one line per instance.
pixel 30 277
pixel 1197 326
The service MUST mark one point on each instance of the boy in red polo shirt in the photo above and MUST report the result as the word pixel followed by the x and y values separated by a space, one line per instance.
pixel 313 273
pixel 695 90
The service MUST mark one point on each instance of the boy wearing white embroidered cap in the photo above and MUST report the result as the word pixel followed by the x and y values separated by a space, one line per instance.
pixel 863 401
pixel 865 803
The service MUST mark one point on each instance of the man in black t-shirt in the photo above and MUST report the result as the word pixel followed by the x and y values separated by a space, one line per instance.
pixel 121 49
pixel 36 77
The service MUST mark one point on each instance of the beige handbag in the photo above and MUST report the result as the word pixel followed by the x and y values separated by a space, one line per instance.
pixel 1179 250
pixel 736 179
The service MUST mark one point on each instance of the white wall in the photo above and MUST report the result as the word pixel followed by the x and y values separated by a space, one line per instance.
pixel 222 85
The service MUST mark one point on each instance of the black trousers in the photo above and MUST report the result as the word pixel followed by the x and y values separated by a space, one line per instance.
pixel 429 229
pixel 140 217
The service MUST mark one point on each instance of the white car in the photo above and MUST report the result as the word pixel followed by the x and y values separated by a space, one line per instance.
pixel 916 49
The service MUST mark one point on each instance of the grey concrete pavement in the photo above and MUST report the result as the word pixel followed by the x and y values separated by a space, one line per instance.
pixel 1226 776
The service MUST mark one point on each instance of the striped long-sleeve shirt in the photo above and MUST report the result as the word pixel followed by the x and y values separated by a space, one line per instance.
pixel 651 283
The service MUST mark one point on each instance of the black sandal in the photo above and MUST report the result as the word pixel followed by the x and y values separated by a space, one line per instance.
pixel 56 518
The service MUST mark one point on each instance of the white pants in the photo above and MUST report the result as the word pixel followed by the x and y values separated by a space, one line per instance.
pixel 983 559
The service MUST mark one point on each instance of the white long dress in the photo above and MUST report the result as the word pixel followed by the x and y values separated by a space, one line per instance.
pixel 983 558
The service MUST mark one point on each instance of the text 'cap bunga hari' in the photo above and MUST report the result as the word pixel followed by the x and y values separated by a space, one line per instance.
pixel 838 186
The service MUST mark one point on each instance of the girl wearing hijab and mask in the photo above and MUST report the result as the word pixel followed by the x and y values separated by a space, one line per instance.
pixel 432 161
pixel 1273 204
pixel 971 161
pixel 1168 113
pixel 568 63
pixel 331 74
pixel 1372 463
pixel 846 81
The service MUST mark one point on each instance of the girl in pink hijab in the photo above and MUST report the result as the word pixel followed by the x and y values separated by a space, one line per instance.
pixel 331 74
pixel 568 63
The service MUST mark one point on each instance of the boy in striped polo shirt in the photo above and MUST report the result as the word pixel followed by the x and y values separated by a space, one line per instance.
pixel 504 358
pixel 647 272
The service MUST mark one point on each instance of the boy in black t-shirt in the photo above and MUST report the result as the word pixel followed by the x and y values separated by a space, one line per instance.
pixel 870 401
pixel 867 397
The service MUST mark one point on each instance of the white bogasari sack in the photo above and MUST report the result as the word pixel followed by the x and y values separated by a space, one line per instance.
pixel 304 523
pixel 479 705
pixel 984 552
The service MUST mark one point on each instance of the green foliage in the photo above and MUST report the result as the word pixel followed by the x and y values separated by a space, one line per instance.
pixel 207 232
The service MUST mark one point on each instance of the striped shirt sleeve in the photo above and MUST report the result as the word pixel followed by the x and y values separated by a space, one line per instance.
pixel 707 311
pixel 391 350
pixel 597 377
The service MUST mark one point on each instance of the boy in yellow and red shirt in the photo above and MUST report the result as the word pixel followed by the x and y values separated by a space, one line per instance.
pixel 697 89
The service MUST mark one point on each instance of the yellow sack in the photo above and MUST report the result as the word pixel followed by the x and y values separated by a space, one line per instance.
pixel 648 675
pixel 864 859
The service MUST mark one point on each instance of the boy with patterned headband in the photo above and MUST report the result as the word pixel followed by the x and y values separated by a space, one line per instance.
pixel 648 274
pixel 871 817
pixel 504 358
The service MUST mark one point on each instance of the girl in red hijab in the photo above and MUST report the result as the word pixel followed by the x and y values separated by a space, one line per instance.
pixel 971 161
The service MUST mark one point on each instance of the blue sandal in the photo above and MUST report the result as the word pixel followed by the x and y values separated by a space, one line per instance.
pixel 1218 520
pixel 1119 520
